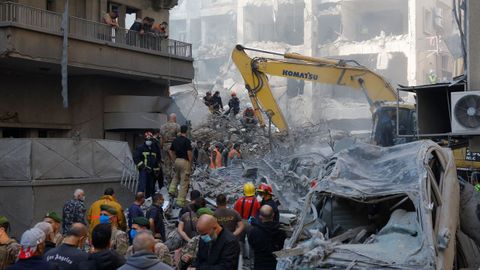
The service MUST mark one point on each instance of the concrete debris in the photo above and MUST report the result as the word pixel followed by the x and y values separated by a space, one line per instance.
pixel 343 202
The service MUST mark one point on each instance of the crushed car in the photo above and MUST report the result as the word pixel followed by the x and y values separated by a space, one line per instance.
pixel 379 208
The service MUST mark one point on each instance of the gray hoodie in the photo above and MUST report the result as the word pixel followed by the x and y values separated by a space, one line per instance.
pixel 144 261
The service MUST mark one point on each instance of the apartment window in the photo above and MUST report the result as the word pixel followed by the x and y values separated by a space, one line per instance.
pixel 51 5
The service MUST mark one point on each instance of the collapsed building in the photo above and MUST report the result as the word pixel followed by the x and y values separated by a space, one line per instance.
pixel 408 42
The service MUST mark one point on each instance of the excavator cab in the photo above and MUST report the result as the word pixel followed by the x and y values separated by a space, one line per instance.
pixel 386 132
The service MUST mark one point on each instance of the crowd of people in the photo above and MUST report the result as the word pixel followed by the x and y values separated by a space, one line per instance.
pixel 103 237
pixel 215 106
pixel 145 33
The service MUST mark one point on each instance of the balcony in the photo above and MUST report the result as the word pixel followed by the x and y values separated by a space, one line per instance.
pixel 31 38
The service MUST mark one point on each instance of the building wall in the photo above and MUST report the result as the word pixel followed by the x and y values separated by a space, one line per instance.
pixel 35 99
pixel 37 102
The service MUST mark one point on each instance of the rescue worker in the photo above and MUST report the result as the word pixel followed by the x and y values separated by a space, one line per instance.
pixel 217 104
pixel 119 240
pixel 93 214
pixel 265 191
pixel 233 105
pixel 247 206
pixel 207 100
pixel 249 117
pixel 385 135
pixel 148 158
pixel 9 248
pixel 169 132
pixel 181 152
pixel 234 153
pixel 216 157
pixel 141 224
pixel 55 220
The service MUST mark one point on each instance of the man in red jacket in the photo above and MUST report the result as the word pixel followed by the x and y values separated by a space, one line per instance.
pixel 247 206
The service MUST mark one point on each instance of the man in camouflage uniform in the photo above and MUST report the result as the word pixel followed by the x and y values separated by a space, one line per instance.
pixel 74 210
pixel 188 254
pixel 119 238
pixel 56 221
pixel 168 131
pixel 9 248
pixel 141 224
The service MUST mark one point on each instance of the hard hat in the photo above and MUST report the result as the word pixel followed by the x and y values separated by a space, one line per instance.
pixel 249 189
pixel 265 188
pixel 249 105
pixel 234 94
pixel 148 135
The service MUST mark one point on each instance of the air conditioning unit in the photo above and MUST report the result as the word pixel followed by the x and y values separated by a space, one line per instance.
pixel 465 110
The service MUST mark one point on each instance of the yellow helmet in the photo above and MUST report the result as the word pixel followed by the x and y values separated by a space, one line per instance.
pixel 249 189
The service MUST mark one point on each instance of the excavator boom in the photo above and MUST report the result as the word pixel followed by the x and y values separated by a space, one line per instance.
pixel 295 66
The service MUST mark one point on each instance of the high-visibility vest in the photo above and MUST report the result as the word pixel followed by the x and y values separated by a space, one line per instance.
pixel 216 159
pixel 233 153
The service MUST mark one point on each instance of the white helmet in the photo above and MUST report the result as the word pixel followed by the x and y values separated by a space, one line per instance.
pixel 249 105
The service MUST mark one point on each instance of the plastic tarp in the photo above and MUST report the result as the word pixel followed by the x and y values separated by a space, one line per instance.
pixel 39 159
pixel 365 170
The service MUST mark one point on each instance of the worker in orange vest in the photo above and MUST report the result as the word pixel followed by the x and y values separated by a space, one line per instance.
pixel 234 153
pixel 216 157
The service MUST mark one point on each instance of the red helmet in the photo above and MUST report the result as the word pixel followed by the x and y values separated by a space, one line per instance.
pixel 234 94
pixel 148 135
pixel 265 188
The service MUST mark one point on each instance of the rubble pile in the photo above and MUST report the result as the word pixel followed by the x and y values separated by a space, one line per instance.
pixel 223 129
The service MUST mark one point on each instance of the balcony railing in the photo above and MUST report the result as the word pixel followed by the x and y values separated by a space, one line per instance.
pixel 51 22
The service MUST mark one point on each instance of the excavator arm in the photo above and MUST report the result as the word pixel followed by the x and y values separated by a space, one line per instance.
pixel 322 70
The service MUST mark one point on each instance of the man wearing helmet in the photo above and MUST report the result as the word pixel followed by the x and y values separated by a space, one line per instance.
pixel 265 191
pixel 147 158
pixel 247 206
pixel 249 117
pixel 233 105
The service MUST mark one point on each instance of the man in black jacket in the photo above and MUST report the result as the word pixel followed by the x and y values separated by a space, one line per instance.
pixel 218 248
pixel 265 238
pixel 103 257
pixel 217 103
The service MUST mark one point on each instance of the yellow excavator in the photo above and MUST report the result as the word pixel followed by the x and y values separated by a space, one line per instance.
pixel 380 94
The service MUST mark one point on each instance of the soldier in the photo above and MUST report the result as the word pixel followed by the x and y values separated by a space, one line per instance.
pixel 54 219
pixel 9 248
pixel 169 132
pixel 141 224
pixel 108 214
pixel 189 253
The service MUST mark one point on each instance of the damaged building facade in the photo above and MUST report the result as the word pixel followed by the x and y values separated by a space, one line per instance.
pixel 117 83
pixel 405 41
pixel 118 86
